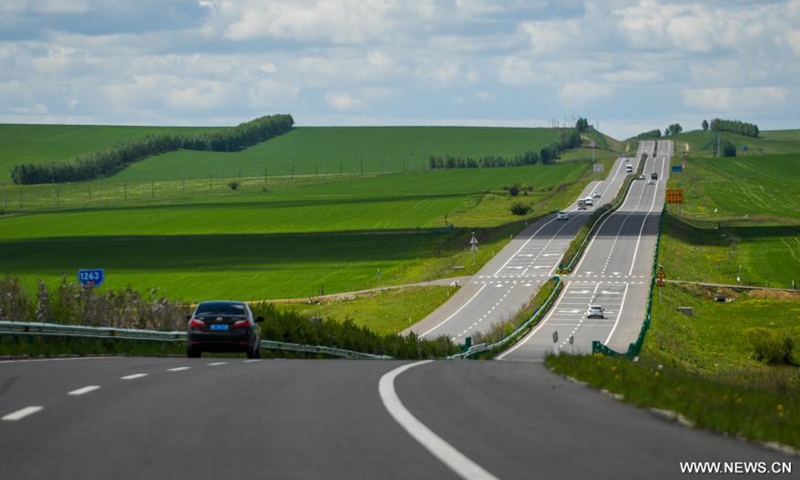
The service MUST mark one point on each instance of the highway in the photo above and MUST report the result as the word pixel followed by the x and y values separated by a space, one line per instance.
pixel 168 418
pixel 509 279
pixel 615 272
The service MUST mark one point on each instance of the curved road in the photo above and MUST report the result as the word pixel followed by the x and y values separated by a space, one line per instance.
pixel 230 418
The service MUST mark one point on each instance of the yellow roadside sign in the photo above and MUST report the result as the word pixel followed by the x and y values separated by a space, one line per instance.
pixel 674 196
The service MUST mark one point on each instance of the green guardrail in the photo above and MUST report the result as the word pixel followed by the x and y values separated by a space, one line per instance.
pixel 521 331
pixel 636 347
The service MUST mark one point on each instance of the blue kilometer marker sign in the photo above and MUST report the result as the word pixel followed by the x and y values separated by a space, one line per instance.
pixel 92 278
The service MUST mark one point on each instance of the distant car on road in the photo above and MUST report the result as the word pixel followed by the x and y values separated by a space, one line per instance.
pixel 642 177
pixel 562 216
pixel 595 311
pixel 654 176
pixel 588 201
pixel 596 194
pixel 223 326
pixel 651 182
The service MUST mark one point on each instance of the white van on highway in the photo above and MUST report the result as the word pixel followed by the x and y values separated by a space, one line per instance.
pixel 589 201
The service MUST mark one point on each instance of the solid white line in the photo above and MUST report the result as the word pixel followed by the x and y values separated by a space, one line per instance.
pixel 456 312
pixel 215 364
pixel 20 414
pixel 178 369
pixel 134 376
pixel 619 315
pixel 538 327
pixel 446 453
pixel 84 390
pixel 655 195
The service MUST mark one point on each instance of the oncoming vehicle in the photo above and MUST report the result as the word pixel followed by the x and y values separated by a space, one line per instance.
pixel 223 326
pixel 595 311
pixel 629 168
pixel 562 216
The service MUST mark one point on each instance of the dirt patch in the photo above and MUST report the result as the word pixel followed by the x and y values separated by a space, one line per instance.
pixel 774 295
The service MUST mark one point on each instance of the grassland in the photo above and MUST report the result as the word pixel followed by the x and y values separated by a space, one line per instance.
pixel 386 312
pixel 341 150
pixel 47 143
pixel 703 367
pixel 769 142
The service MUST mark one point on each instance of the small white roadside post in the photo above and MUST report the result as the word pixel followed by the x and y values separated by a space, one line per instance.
pixel 473 246
pixel 555 342
pixel 571 344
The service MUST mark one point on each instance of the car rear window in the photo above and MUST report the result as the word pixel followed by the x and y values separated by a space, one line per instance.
pixel 220 308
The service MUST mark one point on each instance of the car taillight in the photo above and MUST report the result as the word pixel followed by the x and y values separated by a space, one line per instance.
pixel 241 324
pixel 195 323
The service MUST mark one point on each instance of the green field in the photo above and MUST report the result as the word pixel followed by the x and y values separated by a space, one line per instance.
pixel 769 142
pixel 47 143
pixel 702 366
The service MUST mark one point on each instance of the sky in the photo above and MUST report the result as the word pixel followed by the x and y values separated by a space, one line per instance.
pixel 627 66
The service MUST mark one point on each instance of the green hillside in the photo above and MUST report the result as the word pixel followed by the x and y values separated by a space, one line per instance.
pixel 770 142
pixel 47 143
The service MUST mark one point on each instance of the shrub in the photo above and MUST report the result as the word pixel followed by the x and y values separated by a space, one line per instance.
pixel 234 185
pixel 520 208
pixel 770 346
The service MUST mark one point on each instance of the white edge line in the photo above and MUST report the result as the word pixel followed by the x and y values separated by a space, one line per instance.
pixel 133 377
pixel 30 360
pixel 538 327
pixel 456 312
pixel 84 390
pixel 20 414
pixel 446 453
pixel 619 315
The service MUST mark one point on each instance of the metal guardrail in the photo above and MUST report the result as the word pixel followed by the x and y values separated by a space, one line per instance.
pixel 543 308
pixel 636 347
pixel 78 331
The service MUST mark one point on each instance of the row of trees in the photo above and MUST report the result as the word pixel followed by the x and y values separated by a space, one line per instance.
pixel 103 162
pixel 673 129
pixel 570 138
pixel 582 125
pixel 735 126
pixel 649 134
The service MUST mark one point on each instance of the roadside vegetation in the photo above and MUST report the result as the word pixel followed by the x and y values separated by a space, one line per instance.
pixel 706 366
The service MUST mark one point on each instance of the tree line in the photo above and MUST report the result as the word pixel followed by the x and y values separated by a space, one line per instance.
pixel 735 126
pixel 570 138
pixel 649 134
pixel 105 161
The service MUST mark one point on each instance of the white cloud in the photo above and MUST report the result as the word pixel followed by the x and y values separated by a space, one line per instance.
pixel 581 93
pixel 520 72
pixel 548 37
pixel 344 101
pixel 734 99
pixel 631 76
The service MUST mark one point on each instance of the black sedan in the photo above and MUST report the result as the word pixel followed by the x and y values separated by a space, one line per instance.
pixel 223 326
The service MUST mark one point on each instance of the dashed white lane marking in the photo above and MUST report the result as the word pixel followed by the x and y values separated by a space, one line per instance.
pixel 456 312
pixel 20 414
pixel 446 453
pixel 252 361
pixel 134 376
pixel 216 364
pixel 84 390
pixel 178 369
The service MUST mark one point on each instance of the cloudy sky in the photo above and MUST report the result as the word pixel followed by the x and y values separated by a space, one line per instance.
pixel 629 65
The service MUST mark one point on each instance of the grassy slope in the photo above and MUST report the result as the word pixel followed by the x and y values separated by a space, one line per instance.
pixel 769 142
pixel 47 143
pixel 343 150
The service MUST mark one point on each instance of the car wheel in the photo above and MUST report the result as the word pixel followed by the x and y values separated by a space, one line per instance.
pixel 193 353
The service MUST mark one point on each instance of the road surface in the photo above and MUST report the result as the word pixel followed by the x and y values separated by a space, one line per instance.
pixel 170 418
pixel 615 272
pixel 507 282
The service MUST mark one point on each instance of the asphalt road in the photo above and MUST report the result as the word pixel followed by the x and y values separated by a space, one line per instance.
pixel 615 272
pixel 508 281
pixel 230 418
